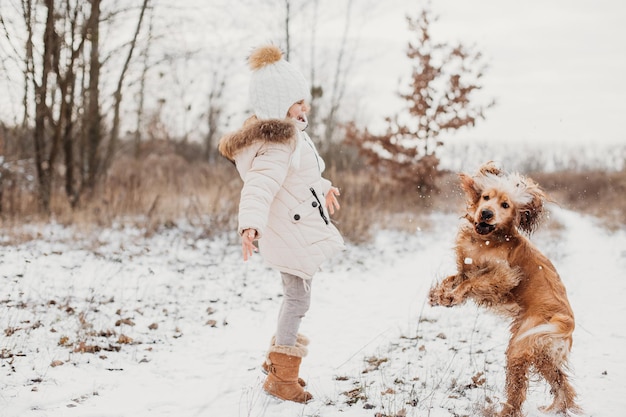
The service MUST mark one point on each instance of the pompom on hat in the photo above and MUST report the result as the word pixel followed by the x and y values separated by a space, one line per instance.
pixel 275 84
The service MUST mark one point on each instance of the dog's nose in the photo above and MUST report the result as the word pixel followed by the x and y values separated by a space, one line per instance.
pixel 486 214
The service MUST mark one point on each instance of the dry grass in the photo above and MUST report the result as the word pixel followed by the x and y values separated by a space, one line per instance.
pixel 599 193
pixel 163 188
pixel 370 204
pixel 151 192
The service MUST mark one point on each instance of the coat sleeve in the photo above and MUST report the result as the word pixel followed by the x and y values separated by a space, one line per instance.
pixel 261 182
pixel 326 184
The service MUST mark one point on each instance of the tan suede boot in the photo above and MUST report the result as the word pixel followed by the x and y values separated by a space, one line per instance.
pixel 301 341
pixel 282 379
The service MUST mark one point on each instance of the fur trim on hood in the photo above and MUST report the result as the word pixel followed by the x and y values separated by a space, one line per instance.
pixel 253 130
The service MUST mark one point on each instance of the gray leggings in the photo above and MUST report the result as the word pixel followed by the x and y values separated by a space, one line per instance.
pixel 296 302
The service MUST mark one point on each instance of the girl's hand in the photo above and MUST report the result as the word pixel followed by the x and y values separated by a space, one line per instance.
pixel 331 200
pixel 247 247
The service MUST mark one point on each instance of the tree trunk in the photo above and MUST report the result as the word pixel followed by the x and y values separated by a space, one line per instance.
pixel 28 70
pixel 93 117
pixel 44 169
pixel 114 137
pixel 215 111
pixel 316 90
pixel 287 36
pixel 339 84
pixel 142 85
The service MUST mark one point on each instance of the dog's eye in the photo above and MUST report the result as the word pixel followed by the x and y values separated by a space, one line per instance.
pixel 505 205
pixel 485 197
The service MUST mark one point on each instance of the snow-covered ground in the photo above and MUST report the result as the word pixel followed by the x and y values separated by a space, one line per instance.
pixel 117 323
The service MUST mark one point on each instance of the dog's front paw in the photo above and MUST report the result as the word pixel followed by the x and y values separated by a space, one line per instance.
pixel 445 293
pixel 438 296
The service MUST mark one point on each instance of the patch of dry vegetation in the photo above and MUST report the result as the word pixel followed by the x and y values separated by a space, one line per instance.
pixel 157 189
pixel 167 184
pixel 599 193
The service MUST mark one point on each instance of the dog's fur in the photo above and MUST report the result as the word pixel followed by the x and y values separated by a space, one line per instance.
pixel 499 268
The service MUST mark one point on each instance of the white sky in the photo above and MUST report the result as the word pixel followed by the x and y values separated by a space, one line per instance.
pixel 556 68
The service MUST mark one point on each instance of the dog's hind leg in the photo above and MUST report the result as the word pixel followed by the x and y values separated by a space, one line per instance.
pixel 551 367
pixel 517 367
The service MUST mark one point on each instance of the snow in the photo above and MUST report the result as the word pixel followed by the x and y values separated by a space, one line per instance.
pixel 200 321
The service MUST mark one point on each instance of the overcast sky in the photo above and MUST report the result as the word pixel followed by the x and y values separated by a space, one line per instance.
pixel 557 68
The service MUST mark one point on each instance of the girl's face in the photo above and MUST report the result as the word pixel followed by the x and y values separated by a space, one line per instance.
pixel 298 111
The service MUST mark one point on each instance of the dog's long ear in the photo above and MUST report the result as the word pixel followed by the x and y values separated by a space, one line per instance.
pixel 532 213
pixel 469 186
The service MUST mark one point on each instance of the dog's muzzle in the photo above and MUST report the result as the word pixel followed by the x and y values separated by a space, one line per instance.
pixel 483 228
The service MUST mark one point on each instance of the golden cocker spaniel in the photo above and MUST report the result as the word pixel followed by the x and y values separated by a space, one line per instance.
pixel 498 267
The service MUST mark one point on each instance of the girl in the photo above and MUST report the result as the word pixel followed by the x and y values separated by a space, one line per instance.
pixel 285 205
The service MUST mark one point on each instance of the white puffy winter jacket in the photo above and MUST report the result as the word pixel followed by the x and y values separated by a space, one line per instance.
pixel 283 195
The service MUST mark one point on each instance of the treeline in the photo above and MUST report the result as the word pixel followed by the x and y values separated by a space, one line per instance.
pixel 93 81
pixel 57 50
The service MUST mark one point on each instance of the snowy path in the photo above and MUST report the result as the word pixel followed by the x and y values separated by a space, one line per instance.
pixel 362 305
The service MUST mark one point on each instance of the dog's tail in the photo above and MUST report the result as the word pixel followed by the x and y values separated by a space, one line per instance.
pixel 557 333
pixel 543 329
pixel 560 325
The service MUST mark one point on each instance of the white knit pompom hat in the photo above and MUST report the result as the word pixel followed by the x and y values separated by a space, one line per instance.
pixel 275 85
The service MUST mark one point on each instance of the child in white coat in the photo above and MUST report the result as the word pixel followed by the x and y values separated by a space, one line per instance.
pixel 285 205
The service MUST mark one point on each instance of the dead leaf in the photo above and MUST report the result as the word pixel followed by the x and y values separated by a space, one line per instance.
pixel 478 380
pixel 85 348
pixel 9 331
pixel 374 363
pixel 125 321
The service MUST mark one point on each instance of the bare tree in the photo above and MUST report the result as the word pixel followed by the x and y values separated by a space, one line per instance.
pixel 328 89
pixel 18 58
pixel 45 152
pixel 145 56
pixel 92 117
pixel 316 90
pixel 439 98
pixel 339 79
pixel 4 172
pixel 56 46
pixel 117 95
pixel 287 27
pixel 55 94
pixel 215 111
pixel 66 81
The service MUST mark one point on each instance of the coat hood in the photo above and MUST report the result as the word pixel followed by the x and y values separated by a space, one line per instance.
pixel 253 130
